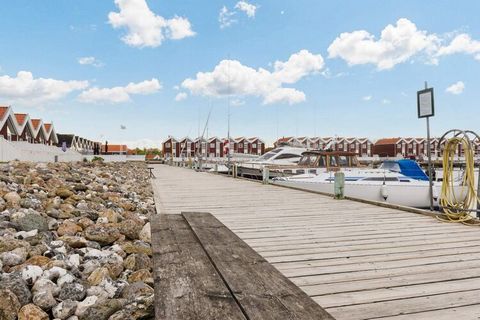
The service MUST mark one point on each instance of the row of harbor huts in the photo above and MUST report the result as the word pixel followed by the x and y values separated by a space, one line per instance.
pixel 212 147
pixel 387 147
pixel 20 127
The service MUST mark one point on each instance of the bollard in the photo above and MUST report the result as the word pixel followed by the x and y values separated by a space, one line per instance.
pixel 339 186
pixel 216 167
pixel 265 174
pixel 234 170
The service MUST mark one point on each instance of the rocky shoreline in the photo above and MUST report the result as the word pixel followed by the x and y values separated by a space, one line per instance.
pixel 75 241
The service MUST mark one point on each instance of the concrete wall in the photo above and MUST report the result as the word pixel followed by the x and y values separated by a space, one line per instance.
pixel 24 151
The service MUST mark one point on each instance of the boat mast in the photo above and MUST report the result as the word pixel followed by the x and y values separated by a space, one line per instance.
pixel 228 110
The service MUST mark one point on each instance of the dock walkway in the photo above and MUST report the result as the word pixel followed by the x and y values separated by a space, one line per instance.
pixel 358 261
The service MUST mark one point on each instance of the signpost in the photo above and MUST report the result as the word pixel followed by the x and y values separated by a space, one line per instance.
pixel 426 109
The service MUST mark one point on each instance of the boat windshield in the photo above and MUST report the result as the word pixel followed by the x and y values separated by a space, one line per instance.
pixel 343 161
pixel 269 154
pixel 390 165
pixel 307 160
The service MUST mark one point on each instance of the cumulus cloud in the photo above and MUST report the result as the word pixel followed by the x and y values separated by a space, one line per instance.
pixel 119 94
pixel 230 77
pixel 367 98
pixel 456 88
pixel 386 101
pixel 25 88
pixel 246 7
pixel 397 44
pixel 462 43
pixel 144 27
pixel 225 18
pixel 90 61
pixel 181 96
pixel 400 43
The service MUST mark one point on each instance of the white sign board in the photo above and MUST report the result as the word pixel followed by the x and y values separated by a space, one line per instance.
pixel 425 103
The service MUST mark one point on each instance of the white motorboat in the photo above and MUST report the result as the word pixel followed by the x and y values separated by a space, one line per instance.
pixel 284 155
pixel 400 182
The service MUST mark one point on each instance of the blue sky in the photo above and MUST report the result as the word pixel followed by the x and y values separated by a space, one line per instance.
pixel 357 84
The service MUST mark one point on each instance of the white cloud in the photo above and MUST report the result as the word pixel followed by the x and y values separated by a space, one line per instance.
pixel 367 98
pixel 397 44
pixel 90 61
pixel 456 88
pixel 230 77
pixel 181 96
pixel 25 88
pixel 386 101
pixel 246 7
pixel 462 43
pixel 237 102
pixel 145 28
pixel 143 143
pixel 225 18
pixel 119 94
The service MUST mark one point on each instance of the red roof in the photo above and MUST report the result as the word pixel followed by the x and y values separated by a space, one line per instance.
pixel 3 111
pixel 20 117
pixel 387 141
pixel 36 123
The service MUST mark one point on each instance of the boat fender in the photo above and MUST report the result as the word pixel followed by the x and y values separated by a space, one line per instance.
pixel 384 192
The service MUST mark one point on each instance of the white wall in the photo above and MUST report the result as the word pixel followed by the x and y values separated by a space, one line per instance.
pixel 24 151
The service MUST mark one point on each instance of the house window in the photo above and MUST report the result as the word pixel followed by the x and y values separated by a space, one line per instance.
pixel 254 145
pixel 212 145
pixel 167 145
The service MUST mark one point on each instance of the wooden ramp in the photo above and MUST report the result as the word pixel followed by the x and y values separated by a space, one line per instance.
pixel 358 261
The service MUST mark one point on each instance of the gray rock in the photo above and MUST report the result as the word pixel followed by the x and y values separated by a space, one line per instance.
pixel 30 220
pixel 15 283
pixel 74 291
pixel 65 309
pixel 44 299
pixel 14 257
pixel 103 310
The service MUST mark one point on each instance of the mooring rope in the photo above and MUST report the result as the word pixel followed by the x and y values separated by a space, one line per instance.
pixel 457 207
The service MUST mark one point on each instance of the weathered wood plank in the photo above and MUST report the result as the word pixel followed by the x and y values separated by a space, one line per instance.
pixel 186 283
pixel 263 291
pixel 407 306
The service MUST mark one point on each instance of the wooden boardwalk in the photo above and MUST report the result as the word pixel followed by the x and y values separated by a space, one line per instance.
pixel 358 261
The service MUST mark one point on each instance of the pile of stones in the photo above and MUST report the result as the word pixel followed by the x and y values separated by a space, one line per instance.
pixel 75 241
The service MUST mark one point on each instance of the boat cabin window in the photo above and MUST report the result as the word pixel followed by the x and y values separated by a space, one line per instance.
pixel 307 160
pixel 270 154
pixel 381 179
pixel 332 161
pixel 322 161
pixel 287 156
pixel 343 161
pixel 391 166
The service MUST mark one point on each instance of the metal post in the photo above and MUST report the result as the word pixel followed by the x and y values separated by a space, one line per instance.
pixel 429 155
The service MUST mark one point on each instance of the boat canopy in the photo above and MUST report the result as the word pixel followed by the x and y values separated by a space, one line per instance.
pixel 407 167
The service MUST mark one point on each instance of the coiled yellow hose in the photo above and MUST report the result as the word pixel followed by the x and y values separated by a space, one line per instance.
pixel 456 200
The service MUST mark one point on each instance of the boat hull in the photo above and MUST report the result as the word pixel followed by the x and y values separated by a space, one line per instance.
pixel 401 194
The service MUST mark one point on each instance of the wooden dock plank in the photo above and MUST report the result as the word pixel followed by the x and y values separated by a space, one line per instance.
pixel 267 294
pixel 186 283
pixel 335 249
